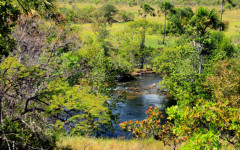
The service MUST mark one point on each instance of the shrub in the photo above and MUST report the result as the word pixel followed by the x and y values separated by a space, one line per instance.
pixel 124 16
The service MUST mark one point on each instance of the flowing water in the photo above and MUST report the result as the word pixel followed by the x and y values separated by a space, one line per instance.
pixel 140 94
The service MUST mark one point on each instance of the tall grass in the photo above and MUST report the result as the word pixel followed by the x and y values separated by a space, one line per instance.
pixel 82 143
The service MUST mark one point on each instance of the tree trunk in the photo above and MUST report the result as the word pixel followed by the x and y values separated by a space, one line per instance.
pixel 1 119
pixel 221 14
pixel 200 57
pixel 200 64
pixel 142 62
pixel 142 49
pixel 164 29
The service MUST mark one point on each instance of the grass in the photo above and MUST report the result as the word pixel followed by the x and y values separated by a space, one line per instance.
pixel 233 16
pixel 82 143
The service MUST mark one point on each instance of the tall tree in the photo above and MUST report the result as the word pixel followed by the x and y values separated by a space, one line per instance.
pixel 201 22
pixel 103 17
pixel 140 27
pixel 165 7
pixel 133 50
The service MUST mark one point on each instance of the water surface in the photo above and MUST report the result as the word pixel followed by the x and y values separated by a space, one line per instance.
pixel 140 94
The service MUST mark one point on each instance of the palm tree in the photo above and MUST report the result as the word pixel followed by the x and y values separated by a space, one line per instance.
pixel 165 8
pixel 202 21
pixel 146 9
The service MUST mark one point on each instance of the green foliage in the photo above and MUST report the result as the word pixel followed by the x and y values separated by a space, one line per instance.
pixel 41 6
pixel 124 16
pixel 228 6
pixel 200 115
pixel 204 20
pixel 8 17
pixel 219 46
pixel 78 15
pixel 108 11
pixel 213 118
pixel 180 66
pixel 18 135
pixel 151 127
pixel 178 20
pixel 22 122
pixel 145 10
pixel 166 7
pixel 89 109
pixel 133 51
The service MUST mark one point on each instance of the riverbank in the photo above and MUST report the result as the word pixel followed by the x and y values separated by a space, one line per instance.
pixel 83 143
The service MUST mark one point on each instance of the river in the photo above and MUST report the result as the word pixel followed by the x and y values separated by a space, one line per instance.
pixel 140 94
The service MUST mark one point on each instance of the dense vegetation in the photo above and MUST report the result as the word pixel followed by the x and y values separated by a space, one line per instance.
pixel 57 80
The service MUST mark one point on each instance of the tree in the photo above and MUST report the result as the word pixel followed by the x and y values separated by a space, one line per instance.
pixel 134 48
pixel 22 80
pixel 10 14
pixel 23 125
pixel 165 7
pixel 213 118
pixel 179 20
pixel 8 17
pixel 33 83
pixel 124 16
pixel 108 11
pixel 103 17
pixel 146 9
pixel 202 22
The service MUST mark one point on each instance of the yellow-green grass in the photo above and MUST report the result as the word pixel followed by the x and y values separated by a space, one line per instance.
pixel 83 143
pixel 233 16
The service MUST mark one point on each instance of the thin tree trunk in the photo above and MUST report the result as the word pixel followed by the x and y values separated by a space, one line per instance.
pixel 142 49
pixel 1 119
pixel 200 57
pixel 142 62
pixel 200 64
pixel 164 29
pixel 221 14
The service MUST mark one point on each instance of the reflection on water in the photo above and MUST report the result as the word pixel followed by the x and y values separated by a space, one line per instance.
pixel 141 94
pixel 135 109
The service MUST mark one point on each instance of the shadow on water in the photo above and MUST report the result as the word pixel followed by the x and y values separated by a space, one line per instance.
pixel 140 94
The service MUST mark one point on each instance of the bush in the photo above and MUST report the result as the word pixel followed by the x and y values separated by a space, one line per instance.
pixel 22 135
pixel 124 16
pixel 228 6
